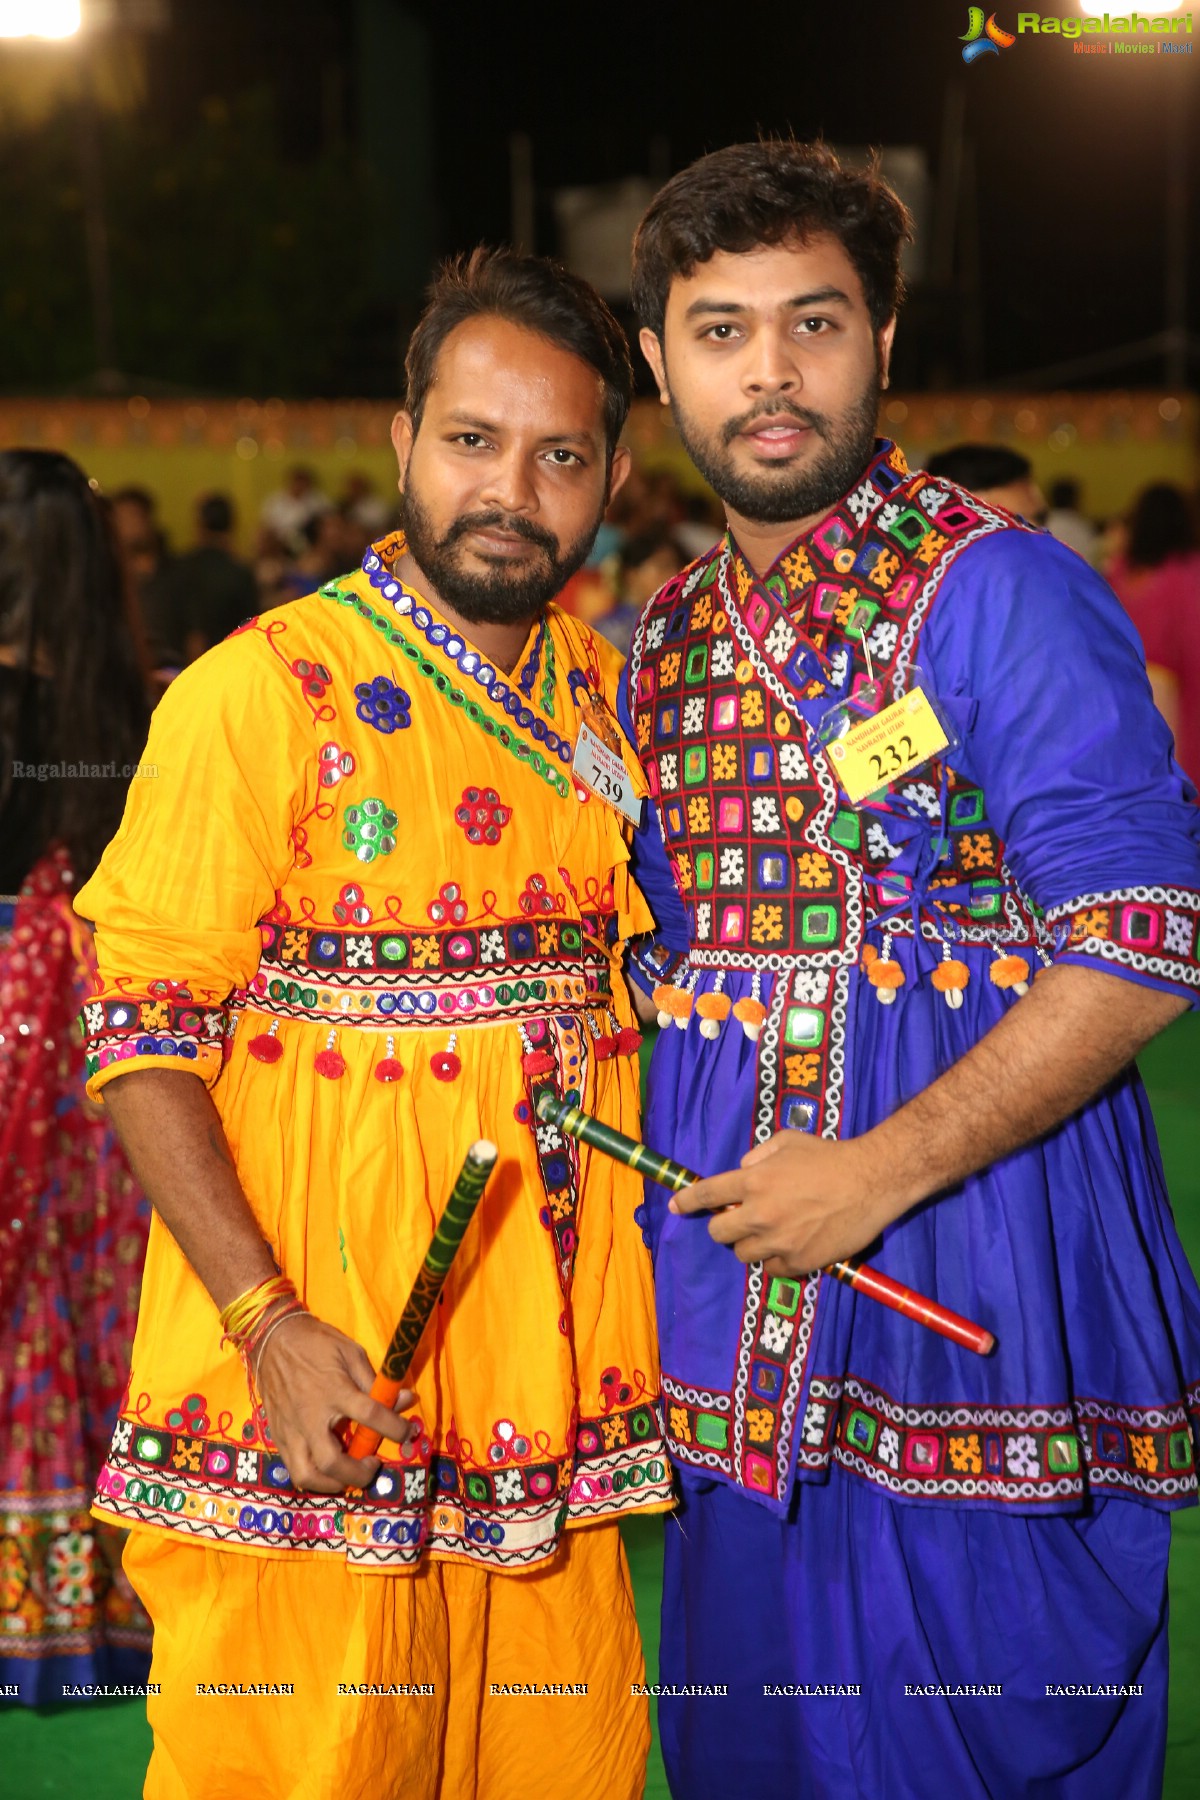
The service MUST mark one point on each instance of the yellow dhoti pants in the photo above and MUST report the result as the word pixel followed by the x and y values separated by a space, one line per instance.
pixel 222 1620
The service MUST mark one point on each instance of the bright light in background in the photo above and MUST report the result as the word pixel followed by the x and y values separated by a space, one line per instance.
pixel 1095 9
pixel 39 18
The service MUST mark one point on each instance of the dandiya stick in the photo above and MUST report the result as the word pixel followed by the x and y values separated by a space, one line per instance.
pixel 673 1175
pixel 460 1210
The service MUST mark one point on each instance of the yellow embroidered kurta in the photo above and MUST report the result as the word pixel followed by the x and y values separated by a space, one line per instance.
pixel 364 900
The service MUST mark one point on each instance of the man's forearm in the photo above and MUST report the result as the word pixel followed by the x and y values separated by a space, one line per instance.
pixel 172 1134
pixel 1048 1056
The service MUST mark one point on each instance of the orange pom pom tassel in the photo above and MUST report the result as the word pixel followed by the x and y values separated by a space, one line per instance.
pixel 1011 972
pixel 886 977
pixel 673 1005
pixel 950 978
pixel 713 1010
pixel 751 1015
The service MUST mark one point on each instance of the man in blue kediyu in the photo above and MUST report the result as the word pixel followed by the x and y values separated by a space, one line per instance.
pixel 916 1568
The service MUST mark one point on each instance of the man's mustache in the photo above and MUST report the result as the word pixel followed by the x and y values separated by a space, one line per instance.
pixel 775 409
pixel 498 521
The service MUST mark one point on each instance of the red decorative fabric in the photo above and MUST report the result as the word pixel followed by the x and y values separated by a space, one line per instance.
pixel 73 1230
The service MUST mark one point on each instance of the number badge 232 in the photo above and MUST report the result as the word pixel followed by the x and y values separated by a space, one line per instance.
pixel 870 744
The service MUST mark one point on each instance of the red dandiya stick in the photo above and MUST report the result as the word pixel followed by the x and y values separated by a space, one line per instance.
pixel 860 1276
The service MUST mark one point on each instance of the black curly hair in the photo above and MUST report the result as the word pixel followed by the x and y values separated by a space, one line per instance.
pixel 765 193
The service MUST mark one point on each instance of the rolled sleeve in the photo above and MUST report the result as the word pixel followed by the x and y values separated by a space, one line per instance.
pixel 204 846
pixel 1099 823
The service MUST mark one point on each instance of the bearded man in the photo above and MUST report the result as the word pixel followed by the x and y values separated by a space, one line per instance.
pixel 365 906
pixel 919 1569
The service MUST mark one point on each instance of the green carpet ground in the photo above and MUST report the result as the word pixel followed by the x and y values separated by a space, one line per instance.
pixel 101 1750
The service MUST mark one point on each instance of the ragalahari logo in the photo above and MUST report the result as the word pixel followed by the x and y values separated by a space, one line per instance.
pixel 983 38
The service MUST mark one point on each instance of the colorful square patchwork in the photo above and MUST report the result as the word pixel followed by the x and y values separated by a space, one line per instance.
pixel 846 829
pixel 766 1380
pixel 923 1453
pixel 784 1296
pixel 1138 927
pixel 798 1113
pixel 819 924
pixel 805 1027
pixel 759 1473
pixel 712 1431
pixel 757 614
pixel 966 808
pixel 733 924
pixel 860 1430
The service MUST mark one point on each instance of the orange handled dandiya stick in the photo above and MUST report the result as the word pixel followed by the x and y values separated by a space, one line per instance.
pixel 673 1175
pixel 460 1210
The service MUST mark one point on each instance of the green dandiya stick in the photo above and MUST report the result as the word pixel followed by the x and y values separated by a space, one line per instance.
pixel 452 1226
pixel 860 1276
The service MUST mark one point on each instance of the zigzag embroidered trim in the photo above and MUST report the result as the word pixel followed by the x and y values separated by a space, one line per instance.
pixel 168 1024
pixel 1025 1456
pixel 228 1493
pixel 1151 930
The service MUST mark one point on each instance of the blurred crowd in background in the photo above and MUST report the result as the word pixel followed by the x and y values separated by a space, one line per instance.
pixel 186 597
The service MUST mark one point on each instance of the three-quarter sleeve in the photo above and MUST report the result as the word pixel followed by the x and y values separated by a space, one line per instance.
pixel 204 847
pixel 1100 824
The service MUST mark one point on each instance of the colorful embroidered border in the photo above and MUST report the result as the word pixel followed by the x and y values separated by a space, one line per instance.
pixel 558 1156
pixel 494 947
pixel 946 505
pixel 1151 930
pixel 508 737
pixel 150 1025
pixel 1023 1455
pixel 748 1436
pixel 1026 1456
pixel 509 1516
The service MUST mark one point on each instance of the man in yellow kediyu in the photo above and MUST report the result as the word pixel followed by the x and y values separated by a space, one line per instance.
pixel 371 905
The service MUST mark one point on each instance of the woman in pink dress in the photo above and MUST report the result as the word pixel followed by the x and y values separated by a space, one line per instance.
pixel 1157 579
pixel 72 1222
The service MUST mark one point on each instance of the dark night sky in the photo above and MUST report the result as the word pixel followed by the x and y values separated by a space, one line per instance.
pixel 1070 150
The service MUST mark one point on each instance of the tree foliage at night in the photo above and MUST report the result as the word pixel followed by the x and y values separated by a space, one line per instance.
pixel 233 269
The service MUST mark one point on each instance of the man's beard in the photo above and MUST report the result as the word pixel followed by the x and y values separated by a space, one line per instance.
pixel 775 495
pixel 504 595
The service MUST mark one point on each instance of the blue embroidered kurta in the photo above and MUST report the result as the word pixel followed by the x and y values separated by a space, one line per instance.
pixel 1059 828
